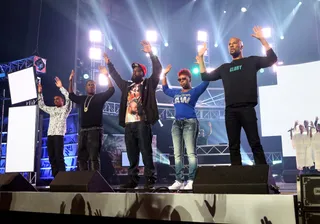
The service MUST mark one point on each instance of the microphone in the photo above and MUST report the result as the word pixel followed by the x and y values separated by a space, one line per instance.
pixel 290 129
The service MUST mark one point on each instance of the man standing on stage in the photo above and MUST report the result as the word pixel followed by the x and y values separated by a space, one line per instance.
pixel 138 112
pixel 57 126
pixel 91 132
pixel 241 96
pixel 185 127
pixel 203 136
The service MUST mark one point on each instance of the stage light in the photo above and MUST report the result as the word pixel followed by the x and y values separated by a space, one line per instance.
pixel 243 9
pixel 281 37
pixel 266 32
pixel 195 71
pixel 216 45
pixel 280 63
pixel 95 36
pixel 202 36
pixel 261 70
pixel 224 11
pixel 103 80
pixel 110 47
pixel 95 53
pixel 166 44
pixel 2 75
pixel 199 47
pixel 151 36
pixel 86 76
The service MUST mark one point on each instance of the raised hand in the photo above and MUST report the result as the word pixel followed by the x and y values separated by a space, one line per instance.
pixel 71 75
pixel 146 46
pixel 202 51
pixel 257 33
pixel 197 60
pixel 58 82
pixel 106 58
pixel 167 70
pixel 39 88
pixel 103 70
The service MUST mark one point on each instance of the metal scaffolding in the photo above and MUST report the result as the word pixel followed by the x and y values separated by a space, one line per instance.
pixel 17 65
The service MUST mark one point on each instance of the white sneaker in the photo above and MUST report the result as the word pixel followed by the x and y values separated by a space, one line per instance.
pixel 177 185
pixel 189 185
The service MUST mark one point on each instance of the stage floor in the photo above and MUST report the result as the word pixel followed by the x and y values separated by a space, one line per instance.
pixel 214 208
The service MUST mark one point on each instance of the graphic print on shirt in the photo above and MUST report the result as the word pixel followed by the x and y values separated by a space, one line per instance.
pixel 134 104
pixel 235 68
pixel 182 98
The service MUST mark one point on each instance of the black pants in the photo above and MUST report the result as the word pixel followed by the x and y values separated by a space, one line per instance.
pixel 89 146
pixel 138 138
pixel 244 116
pixel 55 145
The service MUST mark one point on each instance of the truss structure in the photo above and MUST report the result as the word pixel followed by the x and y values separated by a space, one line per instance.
pixel 16 65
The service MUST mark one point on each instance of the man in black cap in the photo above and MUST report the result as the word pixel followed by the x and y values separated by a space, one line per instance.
pixel 138 112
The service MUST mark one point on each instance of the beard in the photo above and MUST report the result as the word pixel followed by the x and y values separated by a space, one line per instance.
pixel 235 54
pixel 136 79
pixel 186 87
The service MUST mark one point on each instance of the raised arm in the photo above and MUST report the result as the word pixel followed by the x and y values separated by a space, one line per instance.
pixel 65 93
pixel 41 103
pixel 121 83
pixel 156 65
pixel 72 96
pixel 271 58
pixel 165 87
pixel 107 94
pixel 205 76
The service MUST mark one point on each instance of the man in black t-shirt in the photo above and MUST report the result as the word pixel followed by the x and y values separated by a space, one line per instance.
pixel 91 132
pixel 239 79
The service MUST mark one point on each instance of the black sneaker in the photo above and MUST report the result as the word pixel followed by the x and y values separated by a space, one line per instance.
pixel 149 184
pixel 129 185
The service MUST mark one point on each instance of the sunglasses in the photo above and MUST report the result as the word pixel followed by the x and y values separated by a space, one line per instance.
pixel 181 79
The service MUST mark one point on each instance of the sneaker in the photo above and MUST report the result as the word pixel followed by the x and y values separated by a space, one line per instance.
pixel 189 185
pixel 149 184
pixel 129 185
pixel 177 185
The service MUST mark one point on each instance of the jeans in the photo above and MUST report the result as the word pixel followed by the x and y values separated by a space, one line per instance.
pixel 55 146
pixel 244 116
pixel 138 138
pixel 185 133
pixel 89 146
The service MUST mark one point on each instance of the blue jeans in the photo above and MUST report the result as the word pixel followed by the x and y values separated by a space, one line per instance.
pixel 185 133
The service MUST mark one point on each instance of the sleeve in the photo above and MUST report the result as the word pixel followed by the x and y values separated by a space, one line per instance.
pixel 106 95
pixel 212 76
pixel 68 103
pixel 122 84
pixel 42 106
pixel 269 60
pixel 74 98
pixel 156 71
pixel 201 88
pixel 168 91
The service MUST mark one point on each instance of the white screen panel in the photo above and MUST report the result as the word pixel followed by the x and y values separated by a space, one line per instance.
pixel 22 85
pixel 295 97
pixel 21 139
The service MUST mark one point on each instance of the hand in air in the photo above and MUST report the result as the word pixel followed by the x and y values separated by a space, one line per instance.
pixel 167 70
pixel 58 82
pixel 71 75
pixel 146 46
pixel 106 58
pixel 202 50
pixel 257 33
pixel 39 88
pixel 103 70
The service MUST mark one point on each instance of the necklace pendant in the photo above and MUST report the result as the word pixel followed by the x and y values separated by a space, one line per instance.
pixel 85 109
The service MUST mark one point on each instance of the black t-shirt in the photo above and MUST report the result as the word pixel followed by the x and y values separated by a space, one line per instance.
pixel 239 78
pixel 202 140
pixel 94 104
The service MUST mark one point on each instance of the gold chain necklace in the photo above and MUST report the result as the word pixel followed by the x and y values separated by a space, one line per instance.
pixel 86 108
